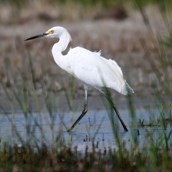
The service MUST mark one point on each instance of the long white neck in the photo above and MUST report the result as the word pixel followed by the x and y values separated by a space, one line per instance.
pixel 60 46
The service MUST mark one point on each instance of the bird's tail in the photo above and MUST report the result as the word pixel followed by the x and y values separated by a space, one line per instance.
pixel 127 89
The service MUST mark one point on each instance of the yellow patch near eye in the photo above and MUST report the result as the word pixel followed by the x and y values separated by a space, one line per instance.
pixel 50 31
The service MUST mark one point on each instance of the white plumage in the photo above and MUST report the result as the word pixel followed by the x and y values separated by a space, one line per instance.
pixel 89 67
pixel 94 70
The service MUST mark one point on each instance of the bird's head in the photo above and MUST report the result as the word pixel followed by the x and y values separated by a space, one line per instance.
pixel 54 32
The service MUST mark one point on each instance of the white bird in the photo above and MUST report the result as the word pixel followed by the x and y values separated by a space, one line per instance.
pixel 89 67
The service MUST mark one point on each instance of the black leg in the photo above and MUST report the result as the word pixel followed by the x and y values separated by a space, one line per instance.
pixel 84 111
pixel 110 102
pixel 120 119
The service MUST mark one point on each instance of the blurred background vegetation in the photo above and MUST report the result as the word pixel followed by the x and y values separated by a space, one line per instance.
pixel 103 3
pixel 138 33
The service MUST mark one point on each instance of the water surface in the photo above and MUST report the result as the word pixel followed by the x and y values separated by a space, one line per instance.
pixel 95 128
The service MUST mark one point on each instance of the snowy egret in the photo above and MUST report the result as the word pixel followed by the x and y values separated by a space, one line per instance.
pixel 89 67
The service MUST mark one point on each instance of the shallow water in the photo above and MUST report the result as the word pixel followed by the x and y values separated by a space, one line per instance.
pixel 95 128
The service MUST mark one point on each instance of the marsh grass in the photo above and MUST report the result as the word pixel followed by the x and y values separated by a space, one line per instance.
pixel 31 153
pixel 25 97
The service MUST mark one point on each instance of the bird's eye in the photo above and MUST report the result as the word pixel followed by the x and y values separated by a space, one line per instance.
pixel 50 31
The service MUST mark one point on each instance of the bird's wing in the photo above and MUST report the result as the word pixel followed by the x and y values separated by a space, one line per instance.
pixel 83 63
pixel 94 70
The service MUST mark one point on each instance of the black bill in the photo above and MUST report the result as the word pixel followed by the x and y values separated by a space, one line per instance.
pixel 36 36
